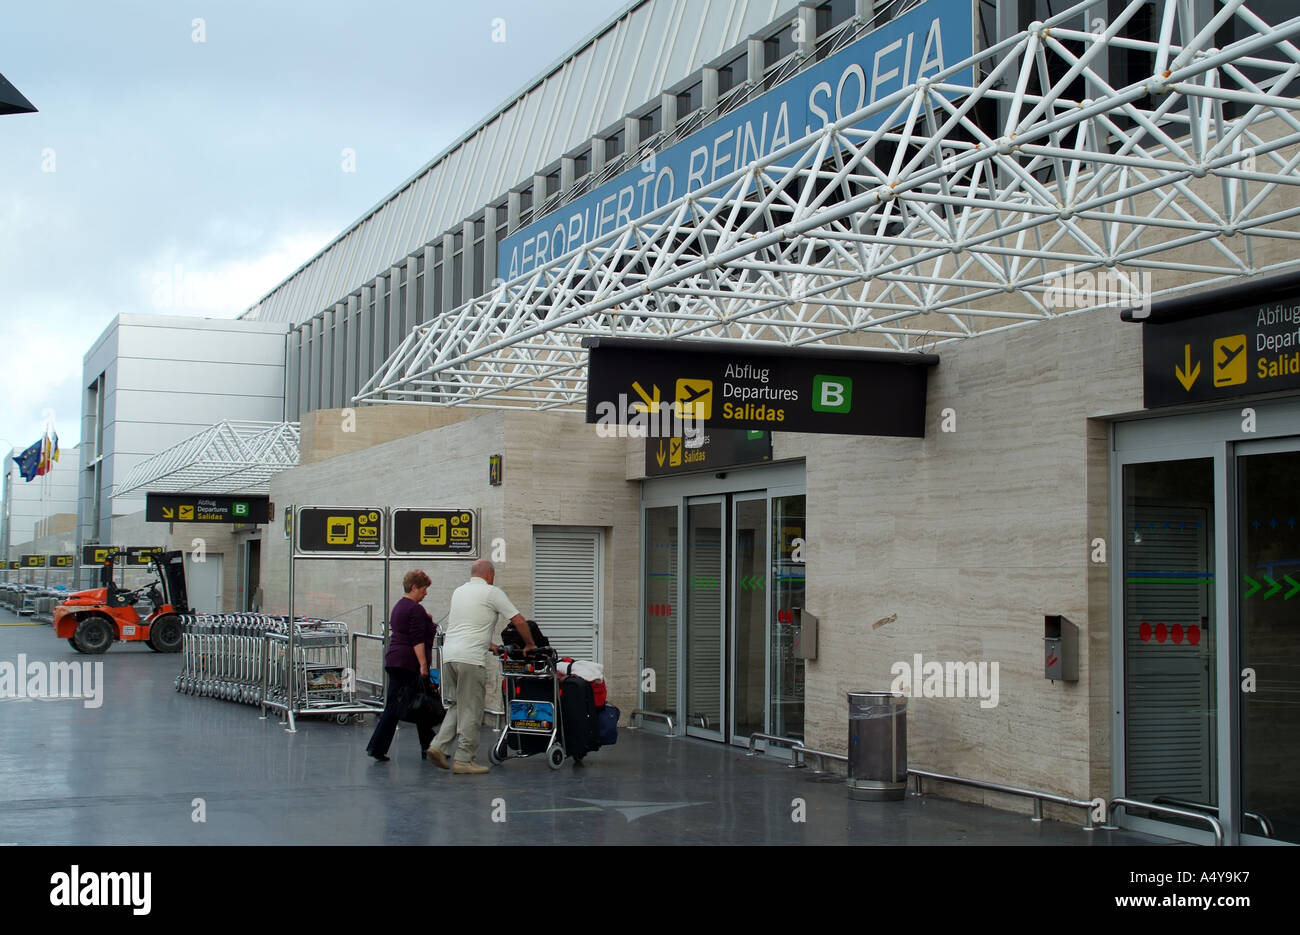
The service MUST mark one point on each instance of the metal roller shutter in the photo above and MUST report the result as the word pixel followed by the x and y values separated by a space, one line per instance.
pixel 567 592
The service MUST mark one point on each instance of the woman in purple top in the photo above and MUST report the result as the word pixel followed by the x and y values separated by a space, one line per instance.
pixel 410 647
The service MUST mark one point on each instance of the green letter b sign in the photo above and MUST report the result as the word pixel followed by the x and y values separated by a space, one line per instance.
pixel 832 394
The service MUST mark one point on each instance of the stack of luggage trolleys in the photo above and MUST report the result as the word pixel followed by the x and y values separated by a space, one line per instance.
pixel 225 654
pixel 546 713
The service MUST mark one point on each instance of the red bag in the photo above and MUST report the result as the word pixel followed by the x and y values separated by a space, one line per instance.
pixel 598 690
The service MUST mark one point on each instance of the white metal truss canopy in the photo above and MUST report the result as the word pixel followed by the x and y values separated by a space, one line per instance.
pixel 229 457
pixel 966 212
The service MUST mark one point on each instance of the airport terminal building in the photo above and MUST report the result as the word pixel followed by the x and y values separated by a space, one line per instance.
pixel 976 332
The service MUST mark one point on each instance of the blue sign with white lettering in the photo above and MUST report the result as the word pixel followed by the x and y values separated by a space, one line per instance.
pixel 917 45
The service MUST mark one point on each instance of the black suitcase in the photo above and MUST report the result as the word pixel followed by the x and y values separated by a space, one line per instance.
pixel 578 708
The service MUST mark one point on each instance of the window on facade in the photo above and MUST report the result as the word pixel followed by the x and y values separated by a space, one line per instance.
pixel 689 101
pixel 581 164
pixel 552 183
pixel 614 144
pixel 526 199
pixel 778 45
pixel 832 13
pixel 733 74
pixel 651 123
pixel 480 271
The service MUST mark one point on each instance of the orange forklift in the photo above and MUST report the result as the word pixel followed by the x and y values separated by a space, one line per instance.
pixel 91 621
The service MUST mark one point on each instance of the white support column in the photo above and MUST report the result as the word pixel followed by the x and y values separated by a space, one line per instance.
pixel 805 17
pixel 709 89
pixel 448 269
pixel 467 287
pixel 668 112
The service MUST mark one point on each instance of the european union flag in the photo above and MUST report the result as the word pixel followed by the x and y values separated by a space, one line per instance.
pixel 29 461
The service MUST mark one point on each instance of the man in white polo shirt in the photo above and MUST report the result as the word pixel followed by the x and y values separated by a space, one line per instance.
pixel 478 609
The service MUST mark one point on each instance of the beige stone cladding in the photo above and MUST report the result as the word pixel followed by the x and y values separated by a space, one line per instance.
pixel 556 472
pixel 970 537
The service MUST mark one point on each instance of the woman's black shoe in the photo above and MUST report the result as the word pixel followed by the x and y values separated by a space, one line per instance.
pixel 377 756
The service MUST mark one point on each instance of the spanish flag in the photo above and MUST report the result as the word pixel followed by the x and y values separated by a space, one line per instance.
pixel 47 461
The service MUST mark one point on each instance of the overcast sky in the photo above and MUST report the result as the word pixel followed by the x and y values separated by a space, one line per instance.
pixel 183 167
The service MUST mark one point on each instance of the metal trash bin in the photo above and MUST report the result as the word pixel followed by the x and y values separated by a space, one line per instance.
pixel 877 746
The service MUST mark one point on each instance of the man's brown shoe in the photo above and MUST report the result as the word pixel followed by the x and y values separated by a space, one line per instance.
pixel 438 758
pixel 472 769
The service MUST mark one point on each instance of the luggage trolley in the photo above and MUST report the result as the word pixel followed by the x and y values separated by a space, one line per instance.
pixel 530 688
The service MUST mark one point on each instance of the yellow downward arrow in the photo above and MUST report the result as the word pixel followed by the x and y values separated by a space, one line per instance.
pixel 1187 374
pixel 168 512
pixel 660 456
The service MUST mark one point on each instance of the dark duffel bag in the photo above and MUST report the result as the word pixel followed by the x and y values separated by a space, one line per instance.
pixel 607 725
pixel 511 637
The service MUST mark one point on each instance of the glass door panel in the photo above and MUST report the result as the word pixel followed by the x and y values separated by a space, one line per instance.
pixel 787 591
pixel 705 615
pixel 749 586
pixel 659 630
pixel 1169 635
pixel 1268 559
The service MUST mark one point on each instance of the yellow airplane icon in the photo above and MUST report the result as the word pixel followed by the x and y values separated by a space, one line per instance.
pixel 694 399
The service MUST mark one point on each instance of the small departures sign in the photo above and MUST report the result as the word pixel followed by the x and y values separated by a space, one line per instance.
pixel 206 508
pixel 1240 351
pixel 653 389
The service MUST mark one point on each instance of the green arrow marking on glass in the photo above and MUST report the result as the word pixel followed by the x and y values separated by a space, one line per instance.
pixel 1295 587
pixel 1254 585
pixel 1275 587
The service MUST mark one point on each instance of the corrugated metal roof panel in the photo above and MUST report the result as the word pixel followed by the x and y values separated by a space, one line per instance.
pixel 628 60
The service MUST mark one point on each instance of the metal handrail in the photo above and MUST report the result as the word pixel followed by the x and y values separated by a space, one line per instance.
pixel 1039 797
pixel 798 752
pixel 1213 822
pixel 643 714
pixel 772 738
pixel 1265 825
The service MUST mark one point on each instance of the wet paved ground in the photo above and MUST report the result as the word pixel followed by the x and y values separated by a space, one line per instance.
pixel 130 772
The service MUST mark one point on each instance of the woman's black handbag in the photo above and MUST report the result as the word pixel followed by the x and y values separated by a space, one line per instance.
pixel 423 703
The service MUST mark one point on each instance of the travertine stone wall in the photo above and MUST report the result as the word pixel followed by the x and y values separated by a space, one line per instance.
pixel 971 537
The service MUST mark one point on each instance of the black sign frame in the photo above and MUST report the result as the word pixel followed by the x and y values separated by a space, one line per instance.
pixel 314 527
pixel 207 508
pixel 1222 345
pixel 722 449
pixel 736 385
pixel 139 556
pixel 411 526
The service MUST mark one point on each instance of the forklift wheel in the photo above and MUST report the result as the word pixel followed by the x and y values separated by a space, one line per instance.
pixel 166 634
pixel 73 644
pixel 94 635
